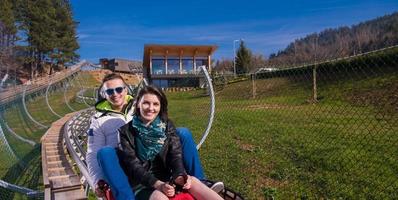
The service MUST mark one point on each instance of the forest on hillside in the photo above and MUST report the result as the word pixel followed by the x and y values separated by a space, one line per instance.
pixel 36 37
pixel 329 44
pixel 341 42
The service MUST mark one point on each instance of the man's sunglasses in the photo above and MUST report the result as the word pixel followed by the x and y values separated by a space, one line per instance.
pixel 112 91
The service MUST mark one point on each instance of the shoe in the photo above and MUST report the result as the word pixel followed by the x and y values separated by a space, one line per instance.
pixel 217 187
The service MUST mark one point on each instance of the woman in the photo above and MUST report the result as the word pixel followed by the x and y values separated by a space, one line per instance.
pixel 150 152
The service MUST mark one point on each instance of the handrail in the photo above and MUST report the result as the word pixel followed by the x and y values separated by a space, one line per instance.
pixel 80 164
pixel 212 107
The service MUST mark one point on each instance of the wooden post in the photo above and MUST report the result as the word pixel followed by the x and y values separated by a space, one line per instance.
pixel 209 63
pixel 314 89
pixel 254 85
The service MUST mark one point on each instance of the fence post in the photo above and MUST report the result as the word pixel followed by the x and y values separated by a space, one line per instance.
pixel 254 85
pixel 314 89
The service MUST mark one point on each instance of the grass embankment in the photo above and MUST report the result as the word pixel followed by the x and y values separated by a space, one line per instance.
pixel 282 145
pixel 25 168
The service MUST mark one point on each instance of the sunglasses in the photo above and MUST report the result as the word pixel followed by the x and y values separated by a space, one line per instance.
pixel 112 91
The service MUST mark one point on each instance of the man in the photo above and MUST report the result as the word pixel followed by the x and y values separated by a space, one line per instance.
pixel 115 110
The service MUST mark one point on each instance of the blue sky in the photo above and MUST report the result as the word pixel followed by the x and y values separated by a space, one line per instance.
pixel 120 28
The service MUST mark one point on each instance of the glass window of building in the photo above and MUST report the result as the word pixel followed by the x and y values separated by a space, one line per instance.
pixel 160 83
pixel 187 65
pixel 199 61
pixel 173 65
pixel 158 66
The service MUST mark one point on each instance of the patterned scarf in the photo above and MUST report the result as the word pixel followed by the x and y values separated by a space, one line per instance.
pixel 149 139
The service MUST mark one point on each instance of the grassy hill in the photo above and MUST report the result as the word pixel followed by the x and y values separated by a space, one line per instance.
pixel 282 145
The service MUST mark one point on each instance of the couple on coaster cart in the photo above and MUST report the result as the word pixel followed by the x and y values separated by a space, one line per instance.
pixel 135 150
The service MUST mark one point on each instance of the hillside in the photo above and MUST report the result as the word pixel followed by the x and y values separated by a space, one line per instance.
pixel 342 41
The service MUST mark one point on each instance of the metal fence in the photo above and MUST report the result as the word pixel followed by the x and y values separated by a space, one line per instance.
pixel 320 131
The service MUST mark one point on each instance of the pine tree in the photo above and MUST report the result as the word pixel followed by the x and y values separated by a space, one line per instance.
pixel 243 59
pixel 7 21
pixel 8 32
pixel 39 24
pixel 63 28
pixel 66 33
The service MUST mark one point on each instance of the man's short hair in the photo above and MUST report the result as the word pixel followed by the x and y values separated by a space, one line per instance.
pixel 113 76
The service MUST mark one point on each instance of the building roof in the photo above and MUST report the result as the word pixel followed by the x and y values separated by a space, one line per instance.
pixel 176 50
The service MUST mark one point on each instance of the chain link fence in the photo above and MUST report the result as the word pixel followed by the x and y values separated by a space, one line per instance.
pixel 326 130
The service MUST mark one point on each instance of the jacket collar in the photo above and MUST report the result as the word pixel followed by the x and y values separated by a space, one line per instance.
pixel 105 105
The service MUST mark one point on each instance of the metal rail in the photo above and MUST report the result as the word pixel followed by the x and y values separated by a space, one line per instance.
pixel 31 142
pixel 74 130
pixel 48 103
pixel 28 192
pixel 212 107
pixel 4 141
pixel 80 93
pixel 65 99
pixel 27 112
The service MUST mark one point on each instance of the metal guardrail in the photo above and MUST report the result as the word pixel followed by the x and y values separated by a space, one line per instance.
pixel 75 131
pixel 212 107
pixel 29 192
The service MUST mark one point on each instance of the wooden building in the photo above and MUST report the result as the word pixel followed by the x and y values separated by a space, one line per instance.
pixel 176 65
pixel 122 65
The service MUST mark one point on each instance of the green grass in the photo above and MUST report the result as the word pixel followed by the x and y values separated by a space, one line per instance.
pixel 281 145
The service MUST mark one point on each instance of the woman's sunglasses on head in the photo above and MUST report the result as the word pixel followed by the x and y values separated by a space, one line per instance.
pixel 112 91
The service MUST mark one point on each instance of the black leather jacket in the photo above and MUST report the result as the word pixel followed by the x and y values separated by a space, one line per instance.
pixel 166 165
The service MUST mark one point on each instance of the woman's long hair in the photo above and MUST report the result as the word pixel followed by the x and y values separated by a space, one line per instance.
pixel 151 89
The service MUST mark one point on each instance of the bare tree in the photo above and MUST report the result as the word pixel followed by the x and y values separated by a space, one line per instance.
pixel 224 65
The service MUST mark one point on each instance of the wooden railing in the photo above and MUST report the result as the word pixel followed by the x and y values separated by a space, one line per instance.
pixel 12 93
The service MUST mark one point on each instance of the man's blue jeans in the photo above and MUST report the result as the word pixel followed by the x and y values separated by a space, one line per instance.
pixel 118 181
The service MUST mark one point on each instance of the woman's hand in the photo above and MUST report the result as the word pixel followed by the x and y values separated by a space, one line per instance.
pixel 188 183
pixel 165 188
pixel 100 188
pixel 184 181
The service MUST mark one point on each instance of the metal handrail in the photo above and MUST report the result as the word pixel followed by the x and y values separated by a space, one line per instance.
pixel 212 107
pixel 68 141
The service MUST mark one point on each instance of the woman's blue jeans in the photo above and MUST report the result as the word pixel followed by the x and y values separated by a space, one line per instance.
pixel 118 181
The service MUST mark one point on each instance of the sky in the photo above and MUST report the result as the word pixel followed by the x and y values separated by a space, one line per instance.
pixel 121 28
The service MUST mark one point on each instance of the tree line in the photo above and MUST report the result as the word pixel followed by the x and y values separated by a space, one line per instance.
pixel 36 37
pixel 317 47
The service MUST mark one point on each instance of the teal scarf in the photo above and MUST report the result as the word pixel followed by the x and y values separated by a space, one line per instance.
pixel 149 140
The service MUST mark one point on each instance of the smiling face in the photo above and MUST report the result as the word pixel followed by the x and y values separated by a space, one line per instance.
pixel 117 100
pixel 149 106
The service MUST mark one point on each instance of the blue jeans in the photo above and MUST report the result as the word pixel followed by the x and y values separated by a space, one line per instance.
pixel 118 181
pixel 190 155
